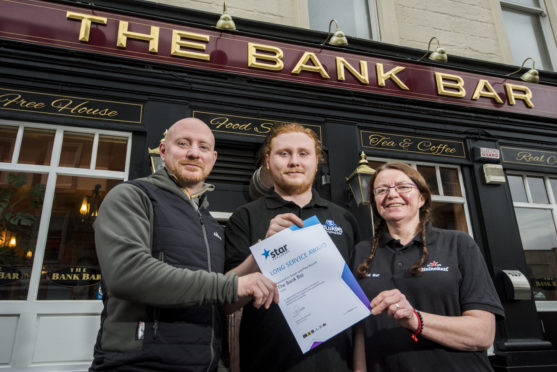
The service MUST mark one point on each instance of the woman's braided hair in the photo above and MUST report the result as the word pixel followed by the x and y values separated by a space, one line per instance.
pixel 381 225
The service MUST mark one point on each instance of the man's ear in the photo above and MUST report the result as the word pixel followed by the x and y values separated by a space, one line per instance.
pixel 215 154
pixel 162 150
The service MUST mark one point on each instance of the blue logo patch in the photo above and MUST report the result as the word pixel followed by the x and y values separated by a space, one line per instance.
pixel 332 228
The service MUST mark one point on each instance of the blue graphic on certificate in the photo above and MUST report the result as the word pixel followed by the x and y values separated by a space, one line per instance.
pixel 319 296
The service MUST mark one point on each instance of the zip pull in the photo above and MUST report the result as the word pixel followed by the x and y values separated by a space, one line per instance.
pixel 156 311
pixel 155 327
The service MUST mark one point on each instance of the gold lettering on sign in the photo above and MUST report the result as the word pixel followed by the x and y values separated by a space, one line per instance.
pixel 316 65
pixel 9 276
pixel 75 276
pixel 255 55
pixel 13 99
pixel 124 34
pixel 443 148
pixel 378 140
pixel 263 128
pixel 362 76
pixel 178 41
pixel 382 76
pixel 412 144
pixel 406 143
pixel 528 157
pixel 490 93
pixel 223 122
pixel 448 81
pixel 512 95
pixel 551 160
pixel 66 105
pixel 86 19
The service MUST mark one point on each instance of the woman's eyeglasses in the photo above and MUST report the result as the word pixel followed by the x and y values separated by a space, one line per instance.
pixel 402 188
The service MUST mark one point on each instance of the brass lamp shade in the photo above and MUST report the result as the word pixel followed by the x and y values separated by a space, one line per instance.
pixel 530 76
pixel 225 21
pixel 439 55
pixel 338 38
pixel 360 181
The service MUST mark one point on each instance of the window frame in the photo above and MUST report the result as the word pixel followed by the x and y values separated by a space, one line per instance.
pixel 545 26
pixel 372 26
pixel 53 170
pixel 541 306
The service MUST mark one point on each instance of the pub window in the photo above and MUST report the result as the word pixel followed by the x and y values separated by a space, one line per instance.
pixel 52 180
pixel 449 207
pixel 356 18
pixel 529 32
pixel 535 206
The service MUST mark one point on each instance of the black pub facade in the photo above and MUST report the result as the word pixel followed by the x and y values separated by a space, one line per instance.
pixel 87 91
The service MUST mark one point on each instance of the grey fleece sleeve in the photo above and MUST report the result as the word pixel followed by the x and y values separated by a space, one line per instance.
pixel 122 239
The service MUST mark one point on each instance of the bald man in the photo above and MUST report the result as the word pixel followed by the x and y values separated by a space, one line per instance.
pixel 162 257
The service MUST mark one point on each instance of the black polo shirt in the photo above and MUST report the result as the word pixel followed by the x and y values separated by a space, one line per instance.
pixel 454 279
pixel 266 342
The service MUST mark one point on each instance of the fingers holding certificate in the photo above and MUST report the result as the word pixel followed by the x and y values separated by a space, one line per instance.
pixel 319 295
pixel 283 221
pixel 261 289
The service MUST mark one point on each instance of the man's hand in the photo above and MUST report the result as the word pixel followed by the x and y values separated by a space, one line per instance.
pixel 283 221
pixel 262 290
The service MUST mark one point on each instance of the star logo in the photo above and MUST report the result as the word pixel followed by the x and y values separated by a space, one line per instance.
pixel 266 253
pixel 434 263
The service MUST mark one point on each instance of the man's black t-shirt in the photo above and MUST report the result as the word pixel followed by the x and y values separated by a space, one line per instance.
pixel 266 342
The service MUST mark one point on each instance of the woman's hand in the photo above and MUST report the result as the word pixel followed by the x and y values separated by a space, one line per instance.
pixel 474 330
pixel 397 307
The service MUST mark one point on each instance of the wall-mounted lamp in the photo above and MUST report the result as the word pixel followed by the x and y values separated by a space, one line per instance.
pixel 531 76
pixel 225 21
pixel 338 38
pixel 360 181
pixel 438 55
pixel 155 155
pixel 90 205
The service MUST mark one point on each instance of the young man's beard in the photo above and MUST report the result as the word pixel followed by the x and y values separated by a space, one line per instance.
pixel 293 189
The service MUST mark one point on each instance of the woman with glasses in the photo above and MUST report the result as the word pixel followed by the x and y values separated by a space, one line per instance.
pixel 432 299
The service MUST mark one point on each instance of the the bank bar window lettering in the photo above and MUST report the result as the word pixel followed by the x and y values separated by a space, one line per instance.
pixel 52 181
pixel 449 207
pixel 535 205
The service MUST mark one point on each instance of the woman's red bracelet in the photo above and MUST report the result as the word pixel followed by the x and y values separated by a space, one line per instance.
pixel 420 325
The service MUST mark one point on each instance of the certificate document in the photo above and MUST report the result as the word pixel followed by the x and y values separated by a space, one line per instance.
pixel 319 296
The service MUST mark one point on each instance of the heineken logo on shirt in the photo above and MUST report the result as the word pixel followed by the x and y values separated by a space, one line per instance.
pixel 435 266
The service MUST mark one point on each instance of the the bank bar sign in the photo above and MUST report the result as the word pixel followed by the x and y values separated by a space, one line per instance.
pixel 76 28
